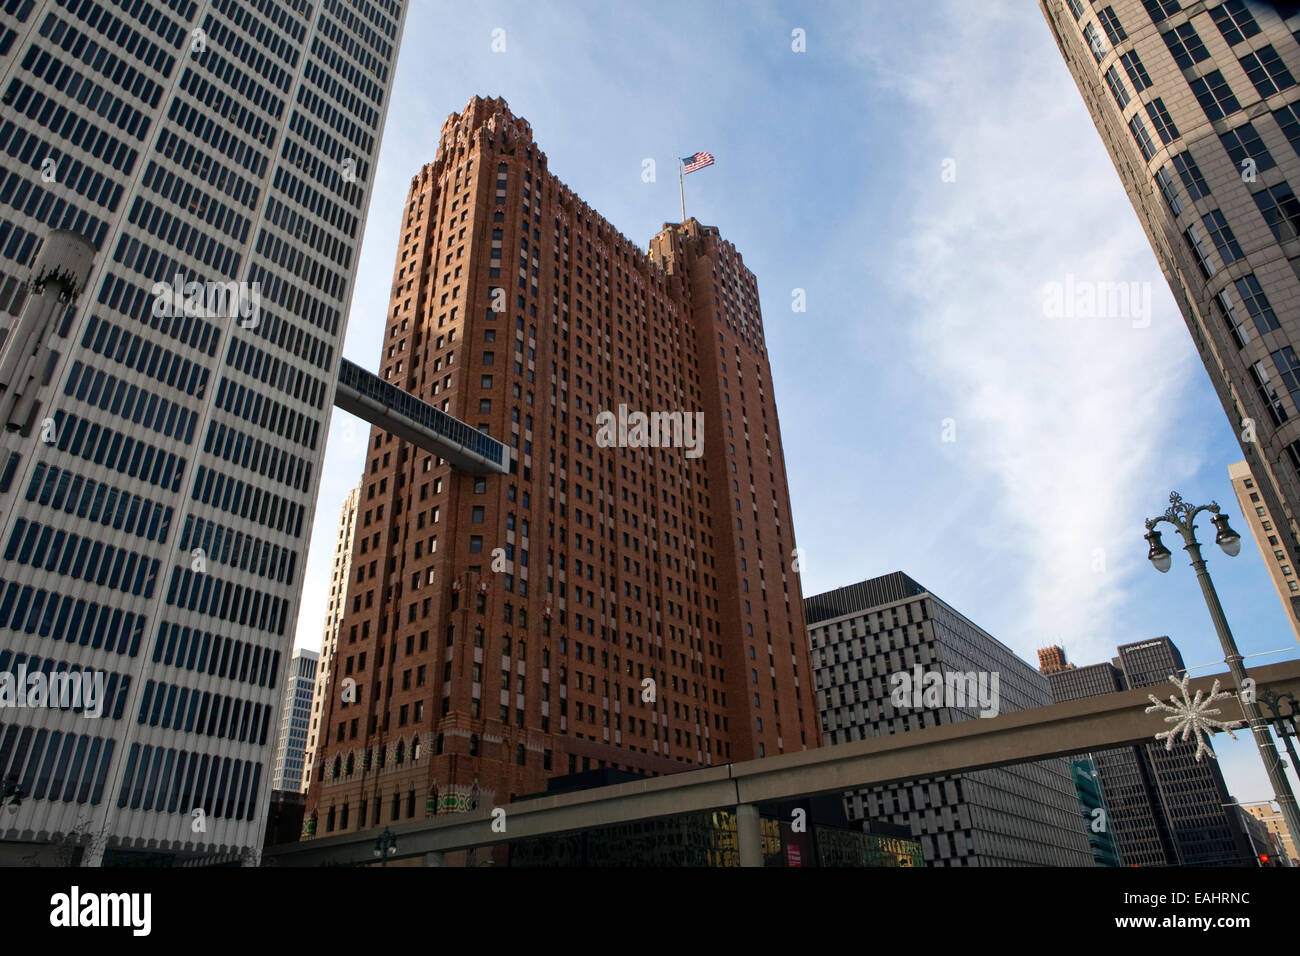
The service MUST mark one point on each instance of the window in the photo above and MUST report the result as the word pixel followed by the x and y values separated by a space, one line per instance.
pixel 1231 318
pixel 1244 145
pixel 1266 71
pixel 1110 23
pixel 1214 95
pixel 1281 211
pixel 1137 73
pixel 1191 176
pixel 1164 124
pixel 1095 42
pixel 1142 137
pixel 476 514
pixel 1186 46
pixel 1160 9
pixel 1288 366
pixel 1234 21
pixel 1117 88
pixel 1268 394
pixel 1222 236
pixel 1169 189
pixel 1076 7
pixel 1288 121
pixel 1252 296
pixel 1196 241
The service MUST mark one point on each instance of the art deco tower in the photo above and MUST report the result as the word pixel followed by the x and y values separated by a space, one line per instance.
pixel 631 607
pixel 1199 107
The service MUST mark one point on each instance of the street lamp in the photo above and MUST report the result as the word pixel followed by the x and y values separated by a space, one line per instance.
pixel 1182 516
pixel 385 846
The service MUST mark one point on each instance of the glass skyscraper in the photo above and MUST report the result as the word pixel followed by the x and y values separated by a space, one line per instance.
pixel 1199 107
pixel 158 475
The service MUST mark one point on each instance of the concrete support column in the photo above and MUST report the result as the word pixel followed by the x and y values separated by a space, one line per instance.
pixel 433 858
pixel 749 837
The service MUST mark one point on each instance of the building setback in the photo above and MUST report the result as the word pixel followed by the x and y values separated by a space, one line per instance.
pixel 1022 815
pixel 1167 809
pixel 1198 105
pixel 1096 815
pixel 1268 814
pixel 1127 779
pixel 157 493
pixel 599 606
pixel 295 717
pixel 1268 537
pixel 340 571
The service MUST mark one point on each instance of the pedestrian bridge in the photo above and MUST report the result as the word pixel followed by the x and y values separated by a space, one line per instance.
pixel 1093 723
pixel 369 397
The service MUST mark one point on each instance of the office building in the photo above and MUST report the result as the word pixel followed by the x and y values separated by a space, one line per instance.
pixel 295 717
pixel 1165 807
pixel 1268 536
pixel 1096 816
pixel 157 487
pixel 1198 105
pixel 340 571
pixel 1265 848
pixel 866 638
pixel 624 596
pixel 1125 774
pixel 1267 813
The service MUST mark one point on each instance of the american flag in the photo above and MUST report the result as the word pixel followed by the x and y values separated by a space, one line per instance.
pixel 696 161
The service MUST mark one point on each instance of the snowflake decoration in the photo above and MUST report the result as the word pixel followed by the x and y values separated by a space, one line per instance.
pixel 1192 716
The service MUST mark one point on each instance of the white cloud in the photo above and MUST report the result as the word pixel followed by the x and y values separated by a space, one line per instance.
pixel 1062 422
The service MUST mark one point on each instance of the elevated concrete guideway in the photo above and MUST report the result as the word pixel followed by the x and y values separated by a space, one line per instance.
pixel 1093 723
pixel 369 397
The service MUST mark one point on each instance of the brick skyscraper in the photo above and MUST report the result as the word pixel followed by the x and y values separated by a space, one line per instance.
pixel 501 630
pixel 1198 105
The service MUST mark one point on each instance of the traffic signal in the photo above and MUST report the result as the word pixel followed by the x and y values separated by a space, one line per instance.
pixel 1264 860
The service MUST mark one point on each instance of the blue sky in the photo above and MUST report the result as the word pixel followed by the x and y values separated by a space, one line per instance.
pixel 924 296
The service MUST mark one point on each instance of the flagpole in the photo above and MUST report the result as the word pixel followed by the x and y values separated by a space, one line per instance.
pixel 681 185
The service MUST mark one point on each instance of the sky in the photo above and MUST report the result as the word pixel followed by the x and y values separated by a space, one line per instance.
pixel 924 173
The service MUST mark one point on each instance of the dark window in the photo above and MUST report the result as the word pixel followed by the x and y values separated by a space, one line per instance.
pixel 1267 393
pixel 1169 189
pixel 1221 234
pixel 1281 211
pixel 1266 71
pixel 1243 144
pixel 1288 121
pixel 1252 296
pixel 1214 95
pixel 1191 176
pixel 1164 124
pixel 1186 46
pixel 1137 73
pixel 1288 366
pixel 1142 137
pixel 1110 23
pixel 1160 9
pixel 1234 21
pixel 1117 88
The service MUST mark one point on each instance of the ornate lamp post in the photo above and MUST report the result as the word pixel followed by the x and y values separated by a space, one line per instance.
pixel 385 846
pixel 1182 516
